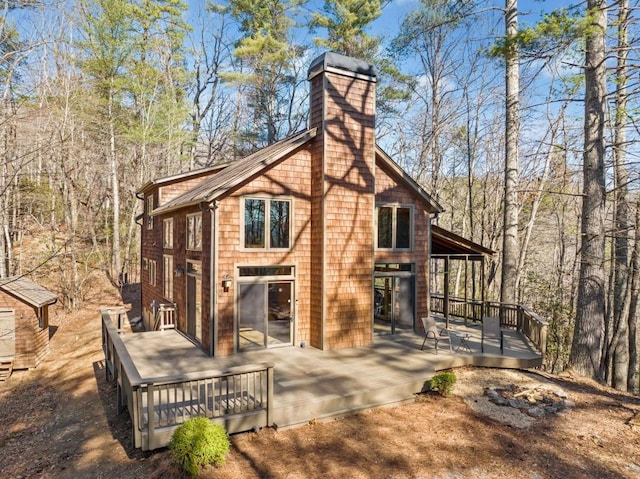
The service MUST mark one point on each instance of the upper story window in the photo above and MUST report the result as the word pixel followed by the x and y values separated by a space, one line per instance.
pixel 167 233
pixel 267 223
pixel 194 232
pixel 149 210
pixel 395 227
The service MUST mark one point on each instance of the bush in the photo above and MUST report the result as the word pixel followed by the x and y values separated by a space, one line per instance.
pixel 443 383
pixel 197 443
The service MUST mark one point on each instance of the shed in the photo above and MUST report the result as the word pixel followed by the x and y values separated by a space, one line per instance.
pixel 24 322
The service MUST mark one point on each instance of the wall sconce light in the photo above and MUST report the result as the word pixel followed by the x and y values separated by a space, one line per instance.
pixel 178 272
pixel 226 282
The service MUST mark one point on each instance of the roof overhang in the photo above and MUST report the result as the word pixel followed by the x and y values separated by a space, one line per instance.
pixel 446 243
pixel 237 173
pixel 402 175
pixel 27 291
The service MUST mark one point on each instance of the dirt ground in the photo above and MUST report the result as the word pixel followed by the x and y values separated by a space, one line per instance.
pixel 59 420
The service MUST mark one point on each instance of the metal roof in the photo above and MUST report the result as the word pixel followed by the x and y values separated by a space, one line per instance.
pixel 329 61
pixel 447 243
pixel 237 172
pixel 181 176
pixel 27 291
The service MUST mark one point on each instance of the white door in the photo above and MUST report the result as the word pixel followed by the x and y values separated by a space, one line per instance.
pixel 7 333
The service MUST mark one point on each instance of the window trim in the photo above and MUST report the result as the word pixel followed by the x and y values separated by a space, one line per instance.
pixel 267 222
pixel 197 245
pixel 167 276
pixel 394 222
pixel 166 244
pixel 153 272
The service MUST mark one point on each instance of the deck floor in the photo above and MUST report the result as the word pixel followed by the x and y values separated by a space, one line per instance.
pixel 313 384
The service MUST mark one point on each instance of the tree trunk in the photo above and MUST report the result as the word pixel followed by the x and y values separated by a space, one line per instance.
pixel 590 309
pixel 633 376
pixel 116 263
pixel 512 127
pixel 620 340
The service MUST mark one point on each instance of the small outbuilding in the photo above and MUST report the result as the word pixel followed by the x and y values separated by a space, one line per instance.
pixel 24 323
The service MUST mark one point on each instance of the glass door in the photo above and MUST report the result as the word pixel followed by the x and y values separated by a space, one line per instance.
pixel 265 314
pixel 393 303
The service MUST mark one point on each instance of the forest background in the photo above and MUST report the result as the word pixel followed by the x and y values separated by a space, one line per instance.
pixel 520 119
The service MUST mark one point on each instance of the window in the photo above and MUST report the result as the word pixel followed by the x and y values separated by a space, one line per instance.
pixel 265 271
pixel 395 227
pixel 167 233
pixel 153 267
pixel 194 232
pixel 149 210
pixel 257 222
pixel 167 277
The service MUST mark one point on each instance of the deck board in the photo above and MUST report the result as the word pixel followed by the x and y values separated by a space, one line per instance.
pixel 312 384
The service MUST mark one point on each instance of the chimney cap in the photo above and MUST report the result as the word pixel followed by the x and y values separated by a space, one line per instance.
pixel 334 62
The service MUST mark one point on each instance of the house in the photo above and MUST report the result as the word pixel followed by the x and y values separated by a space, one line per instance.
pixel 320 239
pixel 24 322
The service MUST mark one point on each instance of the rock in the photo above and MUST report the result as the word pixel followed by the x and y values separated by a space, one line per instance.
pixel 561 394
pixel 499 401
pixel 535 412
pixel 568 404
pixel 519 404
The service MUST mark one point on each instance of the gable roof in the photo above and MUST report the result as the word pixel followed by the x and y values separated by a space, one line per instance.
pixel 447 243
pixel 238 172
pixel 27 291
pixel 180 176
pixel 407 180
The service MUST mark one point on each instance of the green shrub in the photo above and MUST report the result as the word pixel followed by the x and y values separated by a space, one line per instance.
pixel 197 443
pixel 443 383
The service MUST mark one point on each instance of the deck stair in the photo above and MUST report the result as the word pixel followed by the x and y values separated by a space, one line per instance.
pixel 6 368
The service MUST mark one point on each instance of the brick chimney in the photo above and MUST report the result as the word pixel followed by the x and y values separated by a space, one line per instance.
pixel 342 107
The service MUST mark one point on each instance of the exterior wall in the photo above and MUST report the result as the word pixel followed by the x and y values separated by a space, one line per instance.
pixel 288 179
pixel 170 191
pixel 391 191
pixel 349 179
pixel 316 115
pixel 151 250
pixel 32 342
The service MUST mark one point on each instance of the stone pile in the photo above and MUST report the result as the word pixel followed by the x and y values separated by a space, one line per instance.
pixel 535 402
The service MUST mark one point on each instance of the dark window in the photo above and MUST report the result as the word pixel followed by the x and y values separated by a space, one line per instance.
pixel 254 223
pixel 395 227
pixel 257 223
pixel 266 271
pixel 403 228
pixel 279 223
pixel 385 227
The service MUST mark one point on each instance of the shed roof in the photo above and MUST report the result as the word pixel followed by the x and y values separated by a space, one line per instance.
pixel 447 243
pixel 27 291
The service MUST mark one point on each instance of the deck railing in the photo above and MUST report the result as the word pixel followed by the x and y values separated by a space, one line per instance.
pixel 239 398
pixel 513 316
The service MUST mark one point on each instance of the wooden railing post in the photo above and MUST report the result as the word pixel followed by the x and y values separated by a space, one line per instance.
pixel 269 395
pixel 151 420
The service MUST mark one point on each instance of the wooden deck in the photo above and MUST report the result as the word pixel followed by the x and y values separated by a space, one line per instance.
pixel 311 384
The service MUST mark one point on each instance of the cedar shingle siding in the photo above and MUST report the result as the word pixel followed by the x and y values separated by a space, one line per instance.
pixel 334 175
